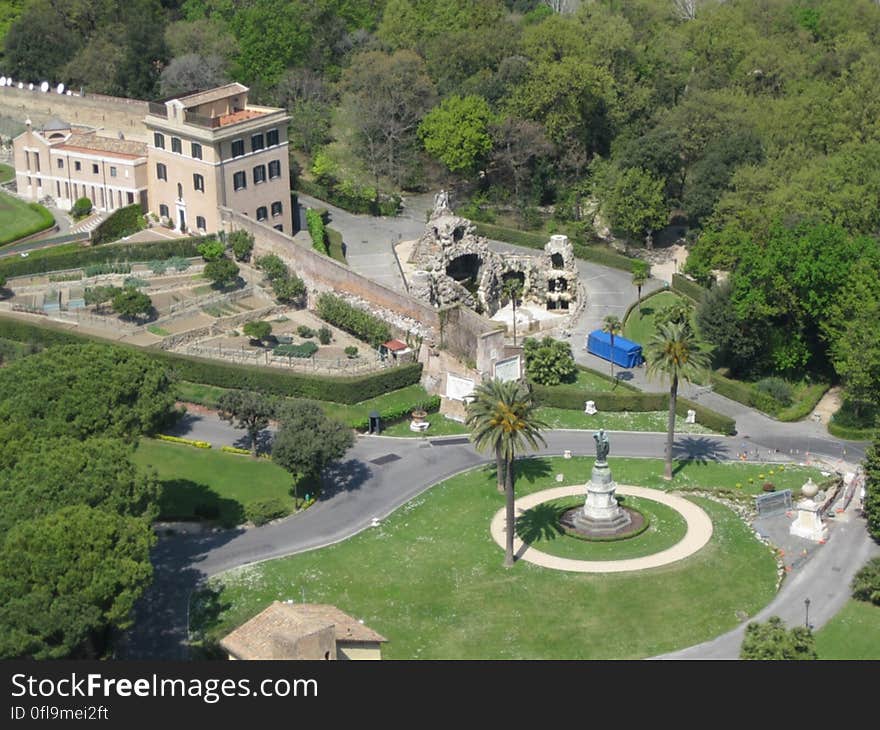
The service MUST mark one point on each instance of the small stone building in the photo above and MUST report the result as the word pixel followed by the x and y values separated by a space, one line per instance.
pixel 303 631
pixel 454 264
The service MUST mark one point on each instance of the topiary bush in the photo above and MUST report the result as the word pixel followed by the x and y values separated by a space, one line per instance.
pixel 325 335
pixel 81 208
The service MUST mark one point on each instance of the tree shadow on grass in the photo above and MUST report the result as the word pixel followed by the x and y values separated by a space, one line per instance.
pixel 541 522
pixel 343 476
pixel 184 499
pixel 700 449
pixel 531 469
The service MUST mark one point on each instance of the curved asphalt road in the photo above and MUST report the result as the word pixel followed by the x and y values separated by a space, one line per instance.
pixel 359 490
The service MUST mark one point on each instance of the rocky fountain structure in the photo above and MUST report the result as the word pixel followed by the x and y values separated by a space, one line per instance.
pixel 453 264
pixel 601 516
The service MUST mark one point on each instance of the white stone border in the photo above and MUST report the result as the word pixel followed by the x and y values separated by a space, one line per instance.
pixel 699 532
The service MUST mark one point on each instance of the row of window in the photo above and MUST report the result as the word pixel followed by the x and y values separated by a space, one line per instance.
pixel 258 142
pixel 277 209
pixel 77 167
pixel 195 149
pixel 239 179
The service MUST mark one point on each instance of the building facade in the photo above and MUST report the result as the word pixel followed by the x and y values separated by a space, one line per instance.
pixel 213 149
pixel 66 163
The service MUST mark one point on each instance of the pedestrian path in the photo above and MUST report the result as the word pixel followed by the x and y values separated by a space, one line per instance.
pixel 699 532
pixel 89 224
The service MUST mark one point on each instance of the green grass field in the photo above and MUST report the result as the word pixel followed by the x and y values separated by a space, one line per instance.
pixel 431 580
pixel 854 633
pixel 537 527
pixel 7 173
pixel 616 421
pixel 210 481
pixel 640 327
pixel 19 219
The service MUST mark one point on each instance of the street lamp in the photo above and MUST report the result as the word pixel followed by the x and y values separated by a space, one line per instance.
pixel 807 612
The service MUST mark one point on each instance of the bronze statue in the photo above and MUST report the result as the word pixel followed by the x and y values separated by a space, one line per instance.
pixel 602 446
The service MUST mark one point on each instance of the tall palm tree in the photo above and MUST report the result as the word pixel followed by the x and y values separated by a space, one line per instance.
pixel 613 326
pixel 640 277
pixel 513 290
pixel 502 419
pixel 674 352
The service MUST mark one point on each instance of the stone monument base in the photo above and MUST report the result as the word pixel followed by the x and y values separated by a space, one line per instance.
pixel 808 523
pixel 601 514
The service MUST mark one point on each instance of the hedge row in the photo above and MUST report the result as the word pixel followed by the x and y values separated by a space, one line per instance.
pixel 748 395
pixel 706 416
pixel 804 407
pixel 234 450
pixel 605 256
pixel 127 252
pixel 124 222
pixel 315 223
pixel 573 398
pixel 46 220
pixel 399 412
pixel 389 206
pixel 185 442
pixel 261 511
pixel 852 434
pixel 349 318
pixel 247 377
pixel 688 288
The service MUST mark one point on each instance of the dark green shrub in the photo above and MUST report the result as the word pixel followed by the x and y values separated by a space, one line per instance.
pixel 306 349
pixel 81 208
pixel 866 583
pixel 690 289
pixel 549 361
pixel 351 351
pixel 242 243
pixel 705 416
pixel 123 222
pixel 261 511
pixel 355 321
pixel 212 249
pixel 325 335
pixel 392 414
pixel 272 266
pixel 158 267
pixel 777 389
pixel 352 199
pixel 305 331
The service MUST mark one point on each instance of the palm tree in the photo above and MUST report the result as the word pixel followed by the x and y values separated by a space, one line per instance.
pixel 640 276
pixel 513 290
pixel 502 419
pixel 613 326
pixel 675 352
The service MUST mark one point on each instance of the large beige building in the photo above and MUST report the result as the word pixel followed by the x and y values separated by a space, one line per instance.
pixel 67 163
pixel 206 150
pixel 213 149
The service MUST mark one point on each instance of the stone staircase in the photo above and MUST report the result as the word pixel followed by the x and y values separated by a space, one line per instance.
pixel 89 224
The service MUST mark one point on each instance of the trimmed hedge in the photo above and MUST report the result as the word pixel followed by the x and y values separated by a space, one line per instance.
pixel 187 442
pixel 604 255
pixel 315 223
pixel 123 222
pixel 688 288
pixel 706 416
pixel 126 252
pixel 235 450
pixel 748 395
pixel 274 381
pixel 852 434
pixel 573 398
pixel 398 413
pixel 804 407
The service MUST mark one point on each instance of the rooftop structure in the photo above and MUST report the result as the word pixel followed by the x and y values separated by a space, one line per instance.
pixel 302 631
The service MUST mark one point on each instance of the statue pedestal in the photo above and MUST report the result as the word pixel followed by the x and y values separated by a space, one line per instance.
pixel 601 515
pixel 808 524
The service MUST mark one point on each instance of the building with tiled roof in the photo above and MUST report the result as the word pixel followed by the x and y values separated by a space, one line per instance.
pixel 303 631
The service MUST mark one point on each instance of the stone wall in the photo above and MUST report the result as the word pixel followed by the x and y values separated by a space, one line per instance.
pixel 110 113
pixel 466 333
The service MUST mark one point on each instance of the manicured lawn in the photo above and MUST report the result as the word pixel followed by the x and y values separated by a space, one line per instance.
pixel 591 381
pixel 157 330
pixel 440 426
pixel 431 580
pixel 616 421
pixel 640 327
pixel 854 633
pixel 210 481
pixel 537 527
pixel 336 248
pixel 18 219
pixel 7 173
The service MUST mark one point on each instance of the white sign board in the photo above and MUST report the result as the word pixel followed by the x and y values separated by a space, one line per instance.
pixel 458 388
pixel 508 369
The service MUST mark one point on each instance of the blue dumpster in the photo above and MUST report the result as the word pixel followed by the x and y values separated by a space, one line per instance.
pixel 626 353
